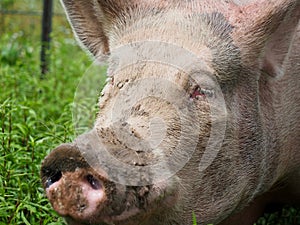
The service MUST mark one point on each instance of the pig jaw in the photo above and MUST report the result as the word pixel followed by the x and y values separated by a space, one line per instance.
pixel 84 196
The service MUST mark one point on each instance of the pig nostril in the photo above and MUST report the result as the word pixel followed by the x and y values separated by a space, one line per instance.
pixel 53 178
pixel 95 183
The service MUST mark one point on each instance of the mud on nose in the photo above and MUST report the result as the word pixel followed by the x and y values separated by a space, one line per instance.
pixel 77 194
pixel 72 186
pixel 89 179
pixel 65 158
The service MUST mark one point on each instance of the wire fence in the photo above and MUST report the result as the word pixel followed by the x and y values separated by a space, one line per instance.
pixel 27 13
pixel 33 16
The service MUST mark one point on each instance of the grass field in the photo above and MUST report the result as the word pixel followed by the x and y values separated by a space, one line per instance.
pixel 35 116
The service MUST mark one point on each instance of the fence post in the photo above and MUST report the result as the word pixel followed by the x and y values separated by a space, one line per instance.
pixel 46 30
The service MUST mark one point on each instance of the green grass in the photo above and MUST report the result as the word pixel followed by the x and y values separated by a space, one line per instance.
pixel 288 215
pixel 36 116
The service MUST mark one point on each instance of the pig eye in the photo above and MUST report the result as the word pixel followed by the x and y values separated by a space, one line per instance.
pixel 199 92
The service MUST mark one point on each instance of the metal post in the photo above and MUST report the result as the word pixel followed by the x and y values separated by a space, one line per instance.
pixel 46 30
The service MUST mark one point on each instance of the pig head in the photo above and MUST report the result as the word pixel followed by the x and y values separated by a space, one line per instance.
pixel 200 114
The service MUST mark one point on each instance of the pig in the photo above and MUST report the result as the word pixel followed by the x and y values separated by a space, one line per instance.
pixel 199 119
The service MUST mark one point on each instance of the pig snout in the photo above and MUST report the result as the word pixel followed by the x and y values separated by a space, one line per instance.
pixel 73 188
pixel 86 190
pixel 83 193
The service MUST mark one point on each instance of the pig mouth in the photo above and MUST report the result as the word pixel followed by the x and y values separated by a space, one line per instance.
pixel 146 201
pixel 81 196
pixel 129 204
pixel 85 196
pixel 129 216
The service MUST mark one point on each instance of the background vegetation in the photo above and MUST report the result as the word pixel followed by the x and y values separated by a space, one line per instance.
pixel 35 113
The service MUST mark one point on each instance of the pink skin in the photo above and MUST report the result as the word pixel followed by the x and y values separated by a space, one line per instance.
pixel 88 189
pixel 252 48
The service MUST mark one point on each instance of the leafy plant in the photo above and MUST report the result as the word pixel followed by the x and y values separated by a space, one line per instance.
pixel 34 118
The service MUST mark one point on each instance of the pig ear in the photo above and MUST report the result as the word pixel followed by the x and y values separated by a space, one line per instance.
pixel 268 33
pixel 91 19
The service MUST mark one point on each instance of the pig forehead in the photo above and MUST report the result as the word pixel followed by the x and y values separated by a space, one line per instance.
pixel 205 35
pixel 160 71
pixel 169 27
pixel 156 58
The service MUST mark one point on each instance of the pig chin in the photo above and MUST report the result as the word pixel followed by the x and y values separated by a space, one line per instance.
pixel 84 195
pixel 139 204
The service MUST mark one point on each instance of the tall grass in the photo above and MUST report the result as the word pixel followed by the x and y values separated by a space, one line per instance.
pixel 35 115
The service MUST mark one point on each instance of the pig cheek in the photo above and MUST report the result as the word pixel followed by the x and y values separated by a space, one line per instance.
pixel 75 199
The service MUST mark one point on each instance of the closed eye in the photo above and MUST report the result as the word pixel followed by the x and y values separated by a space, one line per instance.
pixel 199 92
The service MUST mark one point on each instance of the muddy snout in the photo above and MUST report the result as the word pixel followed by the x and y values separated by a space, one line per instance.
pixel 72 186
